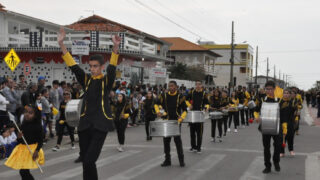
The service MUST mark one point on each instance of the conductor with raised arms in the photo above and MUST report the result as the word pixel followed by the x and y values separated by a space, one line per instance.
pixel 96 117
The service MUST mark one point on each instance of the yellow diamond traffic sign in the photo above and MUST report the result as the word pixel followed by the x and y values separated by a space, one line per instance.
pixel 12 59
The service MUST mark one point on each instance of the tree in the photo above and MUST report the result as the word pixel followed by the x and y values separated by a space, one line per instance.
pixel 182 71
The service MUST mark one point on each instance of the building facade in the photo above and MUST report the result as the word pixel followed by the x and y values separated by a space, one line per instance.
pixel 35 42
pixel 193 55
pixel 243 63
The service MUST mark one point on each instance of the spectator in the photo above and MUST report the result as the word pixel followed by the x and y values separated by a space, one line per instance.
pixel 41 83
pixel 46 111
pixel 28 97
pixel 4 118
pixel 11 96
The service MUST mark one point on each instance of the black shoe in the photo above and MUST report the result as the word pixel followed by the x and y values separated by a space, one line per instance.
pixel 166 163
pixel 224 134
pixel 266 170
pixel 78 160
pixel 181 161
pixel 277 167
pixel 51 135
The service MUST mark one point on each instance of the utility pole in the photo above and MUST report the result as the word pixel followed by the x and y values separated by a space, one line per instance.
pixel 256 80
pixel 284 82
pixel 267 69
pixel 231 84
pixel 279 77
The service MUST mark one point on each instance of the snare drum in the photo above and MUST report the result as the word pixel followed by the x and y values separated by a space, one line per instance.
pixel 195 117
pixel 270 118
pixel 216 115
pixel 251 104
pixel 240 107
pixel 164 128
pixel 225 112
pixel 72 112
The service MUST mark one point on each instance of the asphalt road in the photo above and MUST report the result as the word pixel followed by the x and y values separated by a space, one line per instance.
pixel 238 157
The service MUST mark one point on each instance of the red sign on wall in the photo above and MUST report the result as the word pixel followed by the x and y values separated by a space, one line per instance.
pixel 26 69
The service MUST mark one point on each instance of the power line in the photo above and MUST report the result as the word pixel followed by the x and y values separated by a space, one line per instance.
pixel 168 19
pixel 183 18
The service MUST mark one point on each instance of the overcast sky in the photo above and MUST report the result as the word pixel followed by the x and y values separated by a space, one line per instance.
pixel 286 31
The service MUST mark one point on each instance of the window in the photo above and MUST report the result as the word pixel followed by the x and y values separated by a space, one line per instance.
pixel 243 56
pixel 242 69
pixel 13 27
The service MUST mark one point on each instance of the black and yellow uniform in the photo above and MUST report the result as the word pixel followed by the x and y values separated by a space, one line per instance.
pixel 225 104
pixel 199 101
pixel 149 114
pixel 20 158
pixel 287 109
pixel 234 102
pixel 121 112
pixel 174 105
pixel 251 111
pixel 246 109
pixel 266 139
pixel 61 124
pixel 96 117
pixel 215 104
pixel 298 104
pixel 241 97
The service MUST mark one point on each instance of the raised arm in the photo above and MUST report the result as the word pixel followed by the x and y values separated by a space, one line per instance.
pixel 70 62
pixel 111 69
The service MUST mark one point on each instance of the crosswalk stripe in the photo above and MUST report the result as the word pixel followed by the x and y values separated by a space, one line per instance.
pixel 312 167
pixel 48 163
pixel 203 166
pixel 254 171
pixel 101 162
pixel 137 170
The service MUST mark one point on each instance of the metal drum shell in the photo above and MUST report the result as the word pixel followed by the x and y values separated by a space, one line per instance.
pixel 73 111
pixel 216 115
pixel 195 117
pixel 251 104
pixel 270 118
pixel 164 128
pixel 240 107
pixel 233 109
pixel 225 112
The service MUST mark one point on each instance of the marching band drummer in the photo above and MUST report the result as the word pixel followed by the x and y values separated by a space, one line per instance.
pixel 96 117
pixel 233 112
pixel 298 103
pixel 149 112
pixel 175 108
pixel 197 100
pixel 215 105
pixel 266 139
pixel 245 103
pixel 224 105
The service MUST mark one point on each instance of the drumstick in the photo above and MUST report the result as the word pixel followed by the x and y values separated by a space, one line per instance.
pixel 24 140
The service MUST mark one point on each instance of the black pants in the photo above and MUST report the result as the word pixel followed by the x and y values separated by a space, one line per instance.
pixel 134 115
pixel 242 117
pixel 178 142
pixel 25 174
pixel 251 111
pixel 91 142
pixel 246 112
pixel 147 125
pixel 289 139
pixel 196 132
pixel 214 123
pixel 266 149
pixel 235 117
pixel 225 123
pixel 61 132
pixel 121 126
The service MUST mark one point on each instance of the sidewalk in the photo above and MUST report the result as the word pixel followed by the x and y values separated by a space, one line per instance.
pixel 313 114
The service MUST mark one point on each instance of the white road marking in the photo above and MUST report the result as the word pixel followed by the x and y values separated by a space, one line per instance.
pixel 101 162
pixel 312 167
pixel 254 171
pixel 201 168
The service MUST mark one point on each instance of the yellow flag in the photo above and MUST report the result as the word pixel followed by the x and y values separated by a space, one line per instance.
pixel 278 92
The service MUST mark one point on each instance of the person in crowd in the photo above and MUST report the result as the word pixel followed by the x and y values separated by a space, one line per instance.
pixel 11 95
pixel 197 100
pixel 149 112
pixel 121 113
pixel 41 83
pixel 266 139
pixel 175 108
pixel 28 97
pixel 233 112
pixel 216 105
pixel 46 112
pixel 62 124
pixel 21 159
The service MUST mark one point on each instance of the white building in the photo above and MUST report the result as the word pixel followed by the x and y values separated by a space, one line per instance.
pixel 35 42
pixel 243 63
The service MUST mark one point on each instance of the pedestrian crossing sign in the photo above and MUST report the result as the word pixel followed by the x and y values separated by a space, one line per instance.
pixel 12 59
